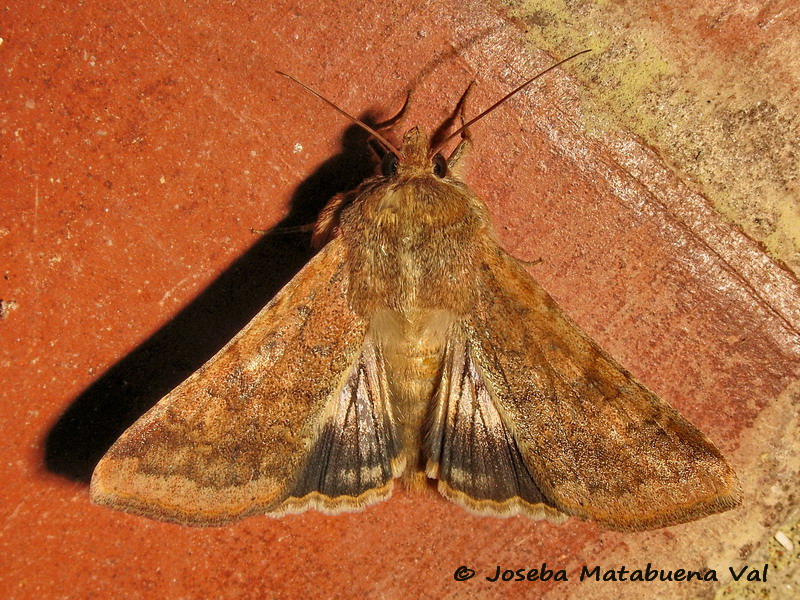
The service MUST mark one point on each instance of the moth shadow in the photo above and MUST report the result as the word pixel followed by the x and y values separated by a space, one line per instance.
pixel 97 417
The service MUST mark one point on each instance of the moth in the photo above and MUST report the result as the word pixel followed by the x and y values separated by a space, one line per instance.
pixel 413 347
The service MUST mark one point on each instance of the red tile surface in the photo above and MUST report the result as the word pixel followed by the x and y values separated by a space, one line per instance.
pixel 141 143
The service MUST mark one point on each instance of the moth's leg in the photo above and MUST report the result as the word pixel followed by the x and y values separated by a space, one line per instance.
pixel 443 131
pixel 327 225
pixel 289 229
pixel 460 151
pixel 465 144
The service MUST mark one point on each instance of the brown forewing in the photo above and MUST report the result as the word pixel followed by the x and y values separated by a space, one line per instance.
pixel 596 442
pixel 234 438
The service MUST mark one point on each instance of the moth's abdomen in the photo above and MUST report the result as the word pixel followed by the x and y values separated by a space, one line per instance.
pixel 413 349
pixel 413 378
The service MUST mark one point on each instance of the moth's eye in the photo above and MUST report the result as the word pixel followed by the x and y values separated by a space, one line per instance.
pixel 439 166
pixel 389 165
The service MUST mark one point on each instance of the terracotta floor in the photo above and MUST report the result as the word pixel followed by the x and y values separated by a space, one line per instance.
pixel 140 146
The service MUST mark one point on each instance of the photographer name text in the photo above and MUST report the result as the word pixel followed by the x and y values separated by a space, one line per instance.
pixel 623 573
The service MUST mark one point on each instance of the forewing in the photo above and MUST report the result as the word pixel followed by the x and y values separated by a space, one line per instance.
pixel 596 442
pixel 292 413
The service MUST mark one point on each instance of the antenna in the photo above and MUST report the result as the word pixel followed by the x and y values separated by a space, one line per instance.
pixel 384 142
pixel 503 99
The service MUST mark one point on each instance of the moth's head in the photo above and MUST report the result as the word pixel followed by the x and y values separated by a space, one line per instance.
pixel 419 154
pixel 414 157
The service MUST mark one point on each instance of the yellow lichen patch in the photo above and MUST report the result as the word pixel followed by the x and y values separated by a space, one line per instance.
pixel 714 93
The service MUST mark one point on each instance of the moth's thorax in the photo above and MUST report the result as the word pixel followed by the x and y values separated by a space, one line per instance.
pixel 413 243
pixel 407 209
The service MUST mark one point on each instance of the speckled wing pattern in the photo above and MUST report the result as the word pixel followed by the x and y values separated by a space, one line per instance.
pixel 292 413
pixel 535 418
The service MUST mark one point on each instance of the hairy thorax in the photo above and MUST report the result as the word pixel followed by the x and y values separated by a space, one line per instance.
pixel 411 247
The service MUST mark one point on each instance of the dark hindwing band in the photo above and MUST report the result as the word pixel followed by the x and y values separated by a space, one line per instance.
pixel 355 455
pixel 470 448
